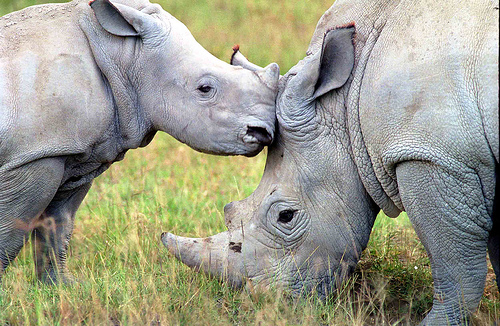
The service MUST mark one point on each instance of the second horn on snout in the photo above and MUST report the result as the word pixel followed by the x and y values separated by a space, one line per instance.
pixel 269 75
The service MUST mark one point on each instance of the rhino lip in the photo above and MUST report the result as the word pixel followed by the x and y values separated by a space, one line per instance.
pixel 258 135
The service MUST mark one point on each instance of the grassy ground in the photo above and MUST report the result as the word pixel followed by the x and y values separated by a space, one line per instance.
pixel 124 273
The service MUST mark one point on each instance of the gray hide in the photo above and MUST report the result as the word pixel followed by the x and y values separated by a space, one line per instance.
pixel 414 128
pixel 81 84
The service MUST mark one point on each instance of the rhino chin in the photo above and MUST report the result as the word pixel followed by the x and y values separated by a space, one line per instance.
pixel 208 255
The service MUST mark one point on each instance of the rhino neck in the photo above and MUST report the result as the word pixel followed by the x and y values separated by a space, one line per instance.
pixel 370 19
pixel 132 126
pixel 380 189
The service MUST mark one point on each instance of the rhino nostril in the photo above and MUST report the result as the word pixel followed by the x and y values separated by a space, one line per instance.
pixel 261 134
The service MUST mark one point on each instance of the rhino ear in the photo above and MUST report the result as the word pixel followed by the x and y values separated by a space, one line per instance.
pixel 122 20
pixel 337 60
pixel 111 19
pixel 329 68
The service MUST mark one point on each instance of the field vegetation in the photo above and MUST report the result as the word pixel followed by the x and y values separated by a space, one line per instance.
pixel 125 276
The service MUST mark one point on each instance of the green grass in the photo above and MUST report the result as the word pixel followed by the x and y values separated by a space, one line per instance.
pixel 125 275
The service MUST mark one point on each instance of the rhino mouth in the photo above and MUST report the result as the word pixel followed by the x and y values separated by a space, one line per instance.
pixel 258 135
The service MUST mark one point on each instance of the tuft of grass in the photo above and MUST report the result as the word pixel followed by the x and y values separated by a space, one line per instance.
pixel 125 276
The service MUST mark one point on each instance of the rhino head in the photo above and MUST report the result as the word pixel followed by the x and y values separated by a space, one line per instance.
pixel 306 224
pixel 154 65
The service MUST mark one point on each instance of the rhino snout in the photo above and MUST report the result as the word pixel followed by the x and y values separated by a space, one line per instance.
pixel 259 135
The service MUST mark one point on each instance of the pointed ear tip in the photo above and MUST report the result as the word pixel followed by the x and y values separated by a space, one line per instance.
pixel 93 2
pixel 349 27
pixel 347 30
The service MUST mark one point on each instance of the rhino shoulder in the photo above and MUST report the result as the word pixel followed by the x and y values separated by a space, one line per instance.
pixel 365 15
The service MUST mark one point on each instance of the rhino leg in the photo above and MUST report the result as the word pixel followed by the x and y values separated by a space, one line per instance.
pixel 52 234
pixel 494 250
pixel 24 195
pixel 448 212
pixel 494 241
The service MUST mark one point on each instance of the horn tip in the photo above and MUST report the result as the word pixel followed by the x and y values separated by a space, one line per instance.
pixel 166 239
pixel 274 67
pixel 236 49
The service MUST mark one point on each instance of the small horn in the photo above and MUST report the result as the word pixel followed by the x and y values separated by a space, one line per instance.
pixel 270 75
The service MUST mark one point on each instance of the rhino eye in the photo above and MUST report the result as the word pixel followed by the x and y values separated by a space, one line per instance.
pixel 205 88
pixel 286 216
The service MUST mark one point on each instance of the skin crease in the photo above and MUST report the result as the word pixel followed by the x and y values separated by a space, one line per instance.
pixel 81 85
pixel 414 128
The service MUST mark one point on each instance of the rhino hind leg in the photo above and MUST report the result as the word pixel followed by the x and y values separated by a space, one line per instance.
pixel 494 250
pixel 448 212
pixel 52 235
pixel 24 195
pixel 494 240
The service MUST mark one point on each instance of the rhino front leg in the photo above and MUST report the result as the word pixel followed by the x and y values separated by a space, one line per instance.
pixel 52 235
pixel 25 193
pixel 448 212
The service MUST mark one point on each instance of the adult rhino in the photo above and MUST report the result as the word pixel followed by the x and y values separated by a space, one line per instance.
pixel 80 85
pixel 403 118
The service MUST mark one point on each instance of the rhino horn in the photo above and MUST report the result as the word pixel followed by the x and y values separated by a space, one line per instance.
pixel 238 59
pixel 209 255
pixel 269 75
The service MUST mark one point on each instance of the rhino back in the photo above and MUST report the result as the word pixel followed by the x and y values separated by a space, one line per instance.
pixel 424 87
pixel 430 90
pixel 432 65
pixel 53 101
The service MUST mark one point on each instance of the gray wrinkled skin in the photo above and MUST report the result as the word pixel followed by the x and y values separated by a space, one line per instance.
pixel 81 85
pixel 414 128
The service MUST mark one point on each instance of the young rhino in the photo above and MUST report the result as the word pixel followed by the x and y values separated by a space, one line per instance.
pixel 80 85
pixel 404 118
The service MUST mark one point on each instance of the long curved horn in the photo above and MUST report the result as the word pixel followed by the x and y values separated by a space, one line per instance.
pixel 209 255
